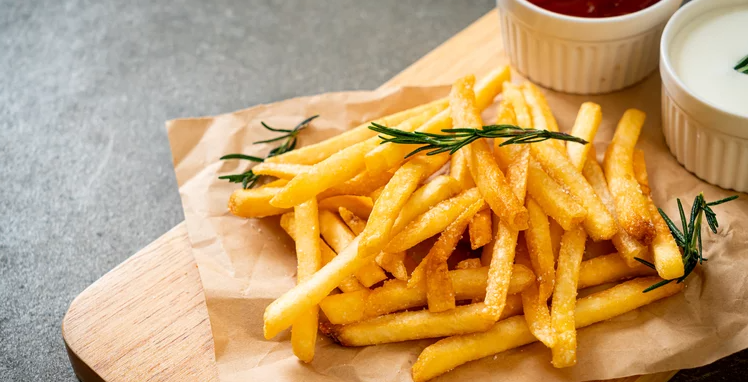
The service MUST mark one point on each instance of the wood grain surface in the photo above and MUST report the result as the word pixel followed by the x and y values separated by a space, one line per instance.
pixel 146 320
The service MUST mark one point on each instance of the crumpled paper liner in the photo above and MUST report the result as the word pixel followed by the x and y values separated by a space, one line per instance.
pixel 246 263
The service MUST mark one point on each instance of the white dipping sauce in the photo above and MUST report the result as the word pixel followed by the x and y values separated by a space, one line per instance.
pixel 705 52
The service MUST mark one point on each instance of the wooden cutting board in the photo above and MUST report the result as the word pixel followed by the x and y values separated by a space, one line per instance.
pixel 146 320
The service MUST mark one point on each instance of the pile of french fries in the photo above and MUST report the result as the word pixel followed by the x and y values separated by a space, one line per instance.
pixel 362 215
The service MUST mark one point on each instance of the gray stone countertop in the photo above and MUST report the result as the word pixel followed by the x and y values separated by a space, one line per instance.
pixel 85 88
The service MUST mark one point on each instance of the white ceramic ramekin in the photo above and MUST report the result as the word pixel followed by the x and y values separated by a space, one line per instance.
pixel 708 141
pixel 583 55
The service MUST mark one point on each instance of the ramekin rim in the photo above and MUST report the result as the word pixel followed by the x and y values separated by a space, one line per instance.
pixel 598 20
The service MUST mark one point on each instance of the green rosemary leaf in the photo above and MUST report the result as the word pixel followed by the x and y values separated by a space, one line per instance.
pixel 242 156
pixel 645 262
pixel 742 65
pixel 729 198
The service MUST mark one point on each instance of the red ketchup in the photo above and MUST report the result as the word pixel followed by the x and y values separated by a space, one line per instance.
pixel 594 8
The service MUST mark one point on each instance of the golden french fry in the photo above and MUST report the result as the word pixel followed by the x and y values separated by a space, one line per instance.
pixel 430 194
pixel 281 313
pixel 535 308
pixel 588 120
pixel 280 170
pixel 553 198
pixel 354 223
pixel 469 264
pixel 345 308
pixel 448 353
pixel 309 260
pixel 362 184
pixel 564 351
pixel 349 284
pixel 278 183
pixel 432 221
pixel 318 152
pixel 599 223
pixel 557 231
pixel 358 205
pixel 339 167
pixel 254 202
pixel 480 229
pixel 459 169
pixel 631 204
pixel 608 268
pixel 540 247
pixel 389 155
pixel 628 247
pixel 664 250
pixel 514 97
pixel 542 117
pixel 439 290
pixel 407 326
pixel 335 233
pixel 378 230
pixel 483 167
pixel 376 193
pixel 500 269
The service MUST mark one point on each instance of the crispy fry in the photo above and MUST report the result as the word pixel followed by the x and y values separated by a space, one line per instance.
pixel 535 308
pixel 362 184
pixel 276 183
pixel 280 170
pixel 511 333
pixel 480 229
pixel 588 120
pixel 378 230
pixel 565 296
pixel 345 308
pixel 557 231
pixel 553 198
pixel 358 205
pixel 500 269
pixel 318 152
pixel 354 223
pixel 631 204
pixel 406 326
pixel 540 249
pixel 608 268
pixel 309 259
pixel 432 221
pixel 339 167
pixel 599 223
pixel 389 155
pixel 459 169
pixel 439 290
pixel 625 244
pixel 469 264
pixel 335 233
pixel 542 117
pixel 664 250
pixel 514 97
pixel 376 193
pixel 254 202
pixel 430 194
pixel 349 284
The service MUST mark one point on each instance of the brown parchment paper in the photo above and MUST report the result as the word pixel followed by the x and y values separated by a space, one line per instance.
pixel 245 264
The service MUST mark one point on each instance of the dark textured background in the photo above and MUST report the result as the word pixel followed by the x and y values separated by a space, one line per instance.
pixel 85 88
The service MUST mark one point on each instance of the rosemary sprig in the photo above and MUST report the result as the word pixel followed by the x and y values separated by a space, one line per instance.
pixel 249 179
pixel 689 240
pixel 455 139
pixel 742 66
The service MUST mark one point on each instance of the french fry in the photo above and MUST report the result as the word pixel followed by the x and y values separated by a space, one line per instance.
pixel 318 152
pixel 480 229
pixel 335 233
pixel 448 353
pixel 598 223
pixel 378 230
pixel 282 312
pixel 276 183
pixel 500 269
pixel 540 249
pixel 280 170
pixel 354 223
pixel 432 221
pixel 483 167
pixel 309 260
pixel 406 326
pixel 564 351
pixel 557 231
pixel 349 284
pixel 376 193
pixel 535 307
pixel 358 205
pixel 553 198
pixel 542 117
pixel 588 121
pixel 346 308
pixel 459 169
pixel 609 268
pixel 339 167
pixel 430 194
pixel 362 184
pixel 514 97
pixel 389 155
pixel 469 264
pixel 439 290
pixel 665 251
pixel 631 204
pixel 628 247
pixel 254 202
